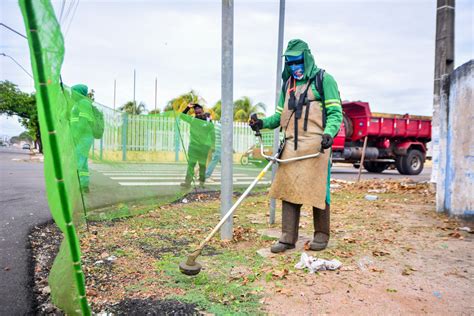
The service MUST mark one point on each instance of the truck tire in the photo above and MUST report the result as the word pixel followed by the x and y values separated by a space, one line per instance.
pixel 375 167
pixel 412 163
pixel 347 125
pixel 399 165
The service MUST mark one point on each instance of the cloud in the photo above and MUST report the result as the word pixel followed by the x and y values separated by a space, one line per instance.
pixel 378 51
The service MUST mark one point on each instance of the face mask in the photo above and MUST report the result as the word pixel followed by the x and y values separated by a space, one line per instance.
pixel 297 71
pixel 296 65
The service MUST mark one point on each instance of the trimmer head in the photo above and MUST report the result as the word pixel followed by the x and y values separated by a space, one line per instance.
pixel 190 268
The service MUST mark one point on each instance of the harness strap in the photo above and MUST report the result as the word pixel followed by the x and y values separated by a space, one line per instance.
pixel 299 109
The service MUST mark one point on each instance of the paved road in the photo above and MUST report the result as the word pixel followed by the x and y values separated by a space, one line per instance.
pixel 347 172
pixel 22 205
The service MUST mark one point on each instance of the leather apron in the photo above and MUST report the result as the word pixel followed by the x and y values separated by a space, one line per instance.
pixel 304 181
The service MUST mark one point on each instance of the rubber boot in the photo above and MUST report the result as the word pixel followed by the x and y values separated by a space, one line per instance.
pixel 290 220
pixel 321 228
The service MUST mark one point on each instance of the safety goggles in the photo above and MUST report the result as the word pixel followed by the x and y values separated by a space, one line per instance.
pixel 294 62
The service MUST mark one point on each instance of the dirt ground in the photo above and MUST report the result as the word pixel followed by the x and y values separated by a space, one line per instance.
pixel 399 257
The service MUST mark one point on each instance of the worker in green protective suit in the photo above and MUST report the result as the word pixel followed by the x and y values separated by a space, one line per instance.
pixel 82 123
pixel 201 142
pixel 310 114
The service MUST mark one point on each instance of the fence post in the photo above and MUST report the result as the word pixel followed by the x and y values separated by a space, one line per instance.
pixel 101 147
pixel 93 149
pixel 124 136
pixel 176 140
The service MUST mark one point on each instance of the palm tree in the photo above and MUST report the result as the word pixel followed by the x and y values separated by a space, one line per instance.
pixel 216 110
pixel 243 107
pixel 131 107
pixel 179 103
pixel 155 111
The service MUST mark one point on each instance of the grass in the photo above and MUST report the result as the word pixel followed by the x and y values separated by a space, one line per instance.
pixel 234 278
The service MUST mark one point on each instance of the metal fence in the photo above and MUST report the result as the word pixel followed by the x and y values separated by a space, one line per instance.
pixel 157 133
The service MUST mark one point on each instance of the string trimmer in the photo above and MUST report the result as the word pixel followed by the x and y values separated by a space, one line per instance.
pixel 191 266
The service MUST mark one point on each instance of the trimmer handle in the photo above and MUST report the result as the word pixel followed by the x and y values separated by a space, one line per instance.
pixel 254 118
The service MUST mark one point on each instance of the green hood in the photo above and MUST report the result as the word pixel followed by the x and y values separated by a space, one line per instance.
pixel 81 89
pixel 297 47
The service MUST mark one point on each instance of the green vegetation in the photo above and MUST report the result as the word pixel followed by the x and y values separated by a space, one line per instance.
pixel 15 102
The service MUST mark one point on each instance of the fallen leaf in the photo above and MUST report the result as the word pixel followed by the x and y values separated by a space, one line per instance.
pixel 380 253
pixel 456 235
pixel 280 274
pixel 306 245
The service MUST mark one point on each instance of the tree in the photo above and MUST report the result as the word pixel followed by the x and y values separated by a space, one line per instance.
pixel 15 102
pixel 91 94
pixel 155 111
pixel 243 107
pixel 131 107
pixel 216 110
pixel 179 103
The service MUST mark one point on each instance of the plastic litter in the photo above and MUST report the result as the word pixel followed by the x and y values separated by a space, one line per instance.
pixel 437 294
pixel 465 229
pixel 111 258
pixel 369 197
pixel 185 200
pixel 316 264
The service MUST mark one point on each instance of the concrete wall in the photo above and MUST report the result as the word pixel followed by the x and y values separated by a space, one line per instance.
pixel 455 178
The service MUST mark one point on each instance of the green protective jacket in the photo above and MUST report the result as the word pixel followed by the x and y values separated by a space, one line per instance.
pixel 82 119
pixel 201 132
pixel 332 101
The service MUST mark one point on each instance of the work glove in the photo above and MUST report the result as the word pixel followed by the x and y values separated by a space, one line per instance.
pixel 327 141
pixel 255 123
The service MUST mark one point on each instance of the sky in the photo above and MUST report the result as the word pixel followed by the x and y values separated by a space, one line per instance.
pixel 378 51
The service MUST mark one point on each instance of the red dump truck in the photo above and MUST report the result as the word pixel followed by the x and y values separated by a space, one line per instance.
pixel 392 139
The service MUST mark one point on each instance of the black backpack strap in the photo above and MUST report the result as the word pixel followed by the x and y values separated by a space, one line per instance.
pixel 320 89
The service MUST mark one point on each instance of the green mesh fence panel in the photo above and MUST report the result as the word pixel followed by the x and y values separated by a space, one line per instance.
pixel 47 51
pixel 102 164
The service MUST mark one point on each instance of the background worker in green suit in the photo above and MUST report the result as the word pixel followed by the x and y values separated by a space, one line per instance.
pixel 82 123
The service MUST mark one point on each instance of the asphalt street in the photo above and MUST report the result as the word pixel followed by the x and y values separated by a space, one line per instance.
pixel 23 205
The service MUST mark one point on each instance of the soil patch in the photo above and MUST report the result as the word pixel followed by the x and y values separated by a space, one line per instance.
pixel 44 243
pixel 153 307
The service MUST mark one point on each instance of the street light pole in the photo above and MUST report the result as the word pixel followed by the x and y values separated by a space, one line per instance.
pixel 227 117
pixel 276 135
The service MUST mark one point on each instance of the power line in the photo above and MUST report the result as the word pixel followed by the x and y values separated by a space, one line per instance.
pixel 13 30
pixel 68 11
pixel 72 18
pixel 63 4
pixel 26 71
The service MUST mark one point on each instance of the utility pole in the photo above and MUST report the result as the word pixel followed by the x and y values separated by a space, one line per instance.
pixel 276 132
pixel 156 87
pixel 115 91
pixel 444 65
pixel 227 116
pixel 134 86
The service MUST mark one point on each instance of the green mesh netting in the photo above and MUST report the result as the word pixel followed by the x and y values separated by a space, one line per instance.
pixel 100 163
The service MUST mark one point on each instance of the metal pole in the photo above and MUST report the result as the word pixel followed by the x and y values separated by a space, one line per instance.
pixel 156 87
pixel 444 65
pixel 115 91
pixel 134 86
pixel 362 159
pixel 276 133
pixel 227 114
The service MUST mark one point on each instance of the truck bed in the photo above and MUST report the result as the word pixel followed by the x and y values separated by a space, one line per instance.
pixel 385 125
